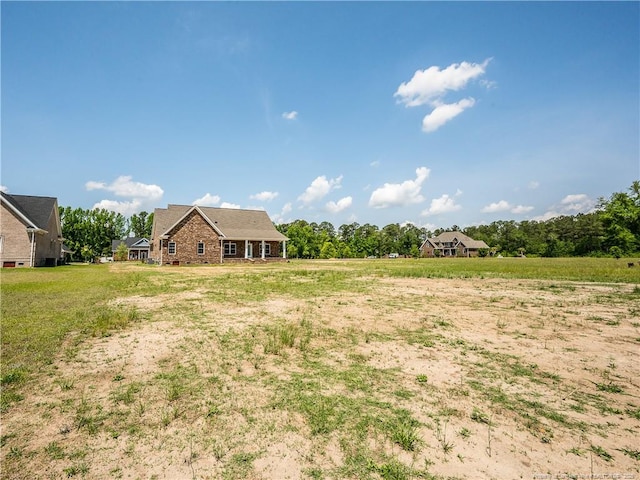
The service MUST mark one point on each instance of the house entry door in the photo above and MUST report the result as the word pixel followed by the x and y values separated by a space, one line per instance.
pixel 250 250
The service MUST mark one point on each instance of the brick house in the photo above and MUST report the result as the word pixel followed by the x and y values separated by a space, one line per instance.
pixel 184 234
pixel 451 244
pixel 30 231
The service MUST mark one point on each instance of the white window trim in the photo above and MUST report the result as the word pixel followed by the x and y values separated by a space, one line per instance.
pixel 230 248
pixel 198 248
pixel 175 249
pixel 267 249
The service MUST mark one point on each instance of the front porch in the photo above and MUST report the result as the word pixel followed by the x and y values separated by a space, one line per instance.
pixel 249 251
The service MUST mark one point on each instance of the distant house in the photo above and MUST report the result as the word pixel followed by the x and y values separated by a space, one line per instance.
pixel 183 234
pixel 137 248
pixel 451 244
pixel 30 231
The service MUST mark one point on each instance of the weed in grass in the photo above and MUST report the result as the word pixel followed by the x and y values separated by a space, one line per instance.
pixel 54 451
pixel 314 473
pixel 404 432
pixel 126 393
pixel 5 438
pixel 576 451
pixel 393 470
pixel 464 433
pixel 78 469
pixel 441 435
pixel 422 378
pixel 602 453
pixel 479 416
pixel 633 412
pixel 89 417
pixel 635 454
pixel 609 387
pixel 15 452
pixel 239 465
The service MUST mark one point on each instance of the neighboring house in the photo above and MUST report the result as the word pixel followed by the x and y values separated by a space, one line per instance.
pixel 30 231
pixel 183 234
pixel 451 244
pixel 137 248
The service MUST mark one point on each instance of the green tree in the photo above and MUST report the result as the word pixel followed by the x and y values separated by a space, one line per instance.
pixel 89 233
pixel 121 252
pixel 620 216
pixel 140 224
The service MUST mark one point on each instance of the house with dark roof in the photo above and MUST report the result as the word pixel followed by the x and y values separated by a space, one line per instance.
pixel 137 248
pixel 184 234
pixel 451 244
pixel 30 231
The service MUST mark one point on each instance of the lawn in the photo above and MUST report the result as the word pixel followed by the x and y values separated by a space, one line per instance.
pixel 380 369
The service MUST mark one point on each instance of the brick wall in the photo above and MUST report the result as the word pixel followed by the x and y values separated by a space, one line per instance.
pixel 186 235
pixel 16 241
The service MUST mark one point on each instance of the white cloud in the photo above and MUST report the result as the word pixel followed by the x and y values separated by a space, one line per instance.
pixel 264 196
pixel 342 204
pixel 427 86
pixel 143 196
pixel 445 112
pixel 319 188
pixel 280 217
pixel 577 203
pixel 290 115
pixel 444 204
pixel 4 189
pixel 229 205
pixel 123 186
pixel 430 86
pixel 503 206
pixel 400 194
pixel 207 201
pixel 375 164
pixel 519 209
pixel 125 208
pixel 533 184
pixel 547 216
pixel 569 205
pixel 500 206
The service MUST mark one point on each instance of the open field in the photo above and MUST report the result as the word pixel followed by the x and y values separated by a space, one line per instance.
pixel 379 369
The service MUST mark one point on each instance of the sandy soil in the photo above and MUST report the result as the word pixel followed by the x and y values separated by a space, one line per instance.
pixel 570 337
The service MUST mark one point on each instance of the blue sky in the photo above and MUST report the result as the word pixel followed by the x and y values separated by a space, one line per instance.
pixel 438 113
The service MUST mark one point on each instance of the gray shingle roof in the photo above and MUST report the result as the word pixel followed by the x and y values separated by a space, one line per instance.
pixel 36 209
pixel 235 224
pixel 448 237
pixel 129 242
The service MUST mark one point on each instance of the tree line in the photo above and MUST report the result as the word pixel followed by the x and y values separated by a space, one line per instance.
pixel 88 233
pixel 613 228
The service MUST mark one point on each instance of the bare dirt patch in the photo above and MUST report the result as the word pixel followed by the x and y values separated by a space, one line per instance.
pixel 492 379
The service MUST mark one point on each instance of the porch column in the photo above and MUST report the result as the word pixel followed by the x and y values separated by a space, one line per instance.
pixel 284 249
pixel 263 250
pixel 246 249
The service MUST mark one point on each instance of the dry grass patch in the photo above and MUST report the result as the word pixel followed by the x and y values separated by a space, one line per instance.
pixel 316 372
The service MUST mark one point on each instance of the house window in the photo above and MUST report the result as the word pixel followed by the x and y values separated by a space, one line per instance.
pixel 267 249
pixel 229 248
pixel 172 248
pixel 200 248
pixel 1 243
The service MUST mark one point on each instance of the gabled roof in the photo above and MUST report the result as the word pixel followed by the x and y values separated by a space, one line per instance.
pixel 474 244
pixel 230 223
pixel 130 242
pixel 455 237
pixel 34 211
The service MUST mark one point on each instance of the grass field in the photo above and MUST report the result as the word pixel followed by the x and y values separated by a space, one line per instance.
pixel 391 369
